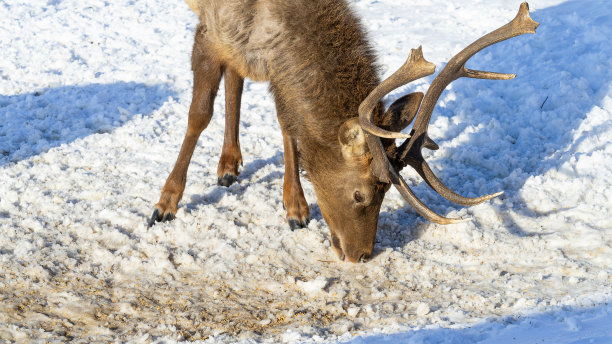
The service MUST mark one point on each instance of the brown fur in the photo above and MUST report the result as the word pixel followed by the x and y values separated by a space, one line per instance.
pixel 308 42
pixel 320 67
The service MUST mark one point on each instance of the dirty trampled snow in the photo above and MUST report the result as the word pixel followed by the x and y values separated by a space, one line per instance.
pixel 93 104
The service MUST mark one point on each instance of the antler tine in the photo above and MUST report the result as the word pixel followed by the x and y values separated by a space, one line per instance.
pixel 415 67
pixel 455 68
pixel 415 160
pixel 410 151
pixel 382 168
pixel 419 206
pixel 432 180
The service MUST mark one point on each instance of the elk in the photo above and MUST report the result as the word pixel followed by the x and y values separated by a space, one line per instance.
pixel 324 79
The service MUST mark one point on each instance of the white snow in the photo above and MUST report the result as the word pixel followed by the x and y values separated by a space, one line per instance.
pixel 314 286
pixel 93 103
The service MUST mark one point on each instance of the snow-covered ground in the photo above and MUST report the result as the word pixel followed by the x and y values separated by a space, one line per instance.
pixel 93 102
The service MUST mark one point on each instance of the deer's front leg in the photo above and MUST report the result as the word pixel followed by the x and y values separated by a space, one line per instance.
pixel 207 73
pixel 298 213
pixel 231 158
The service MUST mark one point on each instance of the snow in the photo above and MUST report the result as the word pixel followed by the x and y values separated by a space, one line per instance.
pixel 93 104
pixel 566 326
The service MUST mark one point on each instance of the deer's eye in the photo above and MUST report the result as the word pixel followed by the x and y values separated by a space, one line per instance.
pixel 358 197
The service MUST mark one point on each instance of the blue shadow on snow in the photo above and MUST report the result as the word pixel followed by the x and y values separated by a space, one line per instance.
pixel 570 325
pixel 35 122
pixel 523 127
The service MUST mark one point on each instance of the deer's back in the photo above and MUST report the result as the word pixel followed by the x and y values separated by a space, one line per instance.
pixel 314 53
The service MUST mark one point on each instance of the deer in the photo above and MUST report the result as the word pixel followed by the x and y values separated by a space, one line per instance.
pixel 323 75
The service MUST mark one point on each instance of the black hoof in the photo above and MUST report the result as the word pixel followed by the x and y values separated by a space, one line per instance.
pixel 157 217
pixel 297 224
pixel 227 180
pixel 168 217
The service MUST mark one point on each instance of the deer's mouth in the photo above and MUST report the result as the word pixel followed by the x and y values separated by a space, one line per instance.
pixel 337 247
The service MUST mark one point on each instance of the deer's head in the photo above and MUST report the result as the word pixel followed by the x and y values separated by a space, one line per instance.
pixel 371 160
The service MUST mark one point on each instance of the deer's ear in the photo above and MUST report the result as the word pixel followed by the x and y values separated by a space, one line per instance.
pixel 352 139
pixel 401 113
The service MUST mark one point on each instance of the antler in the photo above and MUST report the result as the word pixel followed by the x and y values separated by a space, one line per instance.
pixel 409 153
